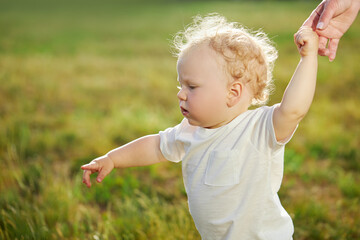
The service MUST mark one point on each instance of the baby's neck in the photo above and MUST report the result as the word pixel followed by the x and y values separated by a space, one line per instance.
pixel 233 113
pixel 238 110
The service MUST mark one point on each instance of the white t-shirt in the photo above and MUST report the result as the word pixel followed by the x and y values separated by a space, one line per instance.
pixel 232 175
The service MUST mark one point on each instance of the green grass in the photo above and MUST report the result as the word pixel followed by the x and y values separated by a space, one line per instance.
pixel 80 78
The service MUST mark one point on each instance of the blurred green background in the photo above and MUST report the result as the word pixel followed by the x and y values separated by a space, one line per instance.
pixel 79 78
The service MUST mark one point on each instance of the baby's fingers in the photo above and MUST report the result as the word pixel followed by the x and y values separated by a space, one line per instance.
pixel 86 178
pixel 307 41
pixel 93 166
pixel 299 40
pixel 88 170
pixel 301 36
pixel 103 173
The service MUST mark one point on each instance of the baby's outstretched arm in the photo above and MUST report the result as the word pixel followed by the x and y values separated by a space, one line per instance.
pixel 141 152
pixel 299 93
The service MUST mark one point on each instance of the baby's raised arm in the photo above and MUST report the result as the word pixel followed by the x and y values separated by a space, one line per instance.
pixel 141 152
pixel 299 93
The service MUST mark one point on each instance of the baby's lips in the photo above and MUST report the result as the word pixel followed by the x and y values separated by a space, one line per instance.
pixel 183 110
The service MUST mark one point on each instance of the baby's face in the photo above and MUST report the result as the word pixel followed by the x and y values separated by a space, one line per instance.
pixel 203 87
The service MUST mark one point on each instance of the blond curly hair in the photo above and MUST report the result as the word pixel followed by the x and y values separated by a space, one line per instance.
pixel 249 55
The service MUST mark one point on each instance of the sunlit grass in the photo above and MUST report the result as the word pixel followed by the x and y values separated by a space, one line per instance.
pixel 80 78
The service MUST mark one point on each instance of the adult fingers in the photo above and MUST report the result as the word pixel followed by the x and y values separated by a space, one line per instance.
pixel 333 45
pixel 333 8
pixel 327 13
pixel 323 51
pixel 313 19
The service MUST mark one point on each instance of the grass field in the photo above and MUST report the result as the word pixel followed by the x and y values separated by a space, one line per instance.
pixel 80 78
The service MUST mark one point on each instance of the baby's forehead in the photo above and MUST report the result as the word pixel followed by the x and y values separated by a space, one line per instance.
pixel 200 63
pixel 200 52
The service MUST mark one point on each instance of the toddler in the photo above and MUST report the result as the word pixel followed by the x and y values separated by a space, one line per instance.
pixel 232 157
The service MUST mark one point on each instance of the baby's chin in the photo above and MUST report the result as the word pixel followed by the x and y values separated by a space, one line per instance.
pixel 199 124
pixel 194 123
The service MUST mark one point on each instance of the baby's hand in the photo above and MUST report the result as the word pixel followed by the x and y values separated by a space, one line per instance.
pixel 307 41
pixel 103 165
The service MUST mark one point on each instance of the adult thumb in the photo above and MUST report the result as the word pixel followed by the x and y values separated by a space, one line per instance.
pixel 327 14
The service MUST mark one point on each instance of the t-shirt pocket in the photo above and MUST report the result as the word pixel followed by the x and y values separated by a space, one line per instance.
pixel 223 168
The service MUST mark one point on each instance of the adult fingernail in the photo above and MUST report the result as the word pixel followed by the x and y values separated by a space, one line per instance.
pixel 320 25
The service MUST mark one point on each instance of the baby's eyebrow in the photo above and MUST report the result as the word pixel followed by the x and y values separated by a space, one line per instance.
pixel 186 81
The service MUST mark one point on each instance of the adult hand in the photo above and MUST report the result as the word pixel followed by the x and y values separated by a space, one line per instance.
pixel 331 19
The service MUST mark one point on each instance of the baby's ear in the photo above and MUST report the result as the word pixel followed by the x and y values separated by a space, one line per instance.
pixel 235 92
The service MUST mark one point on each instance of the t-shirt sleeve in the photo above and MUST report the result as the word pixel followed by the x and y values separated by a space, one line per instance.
pixel 267 144
pixel 170 146
pixel 271 126
pixel 265 128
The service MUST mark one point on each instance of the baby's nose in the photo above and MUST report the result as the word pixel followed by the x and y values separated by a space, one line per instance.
pixel 181 95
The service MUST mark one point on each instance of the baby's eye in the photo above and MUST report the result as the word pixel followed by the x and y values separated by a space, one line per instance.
pixel 192 87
